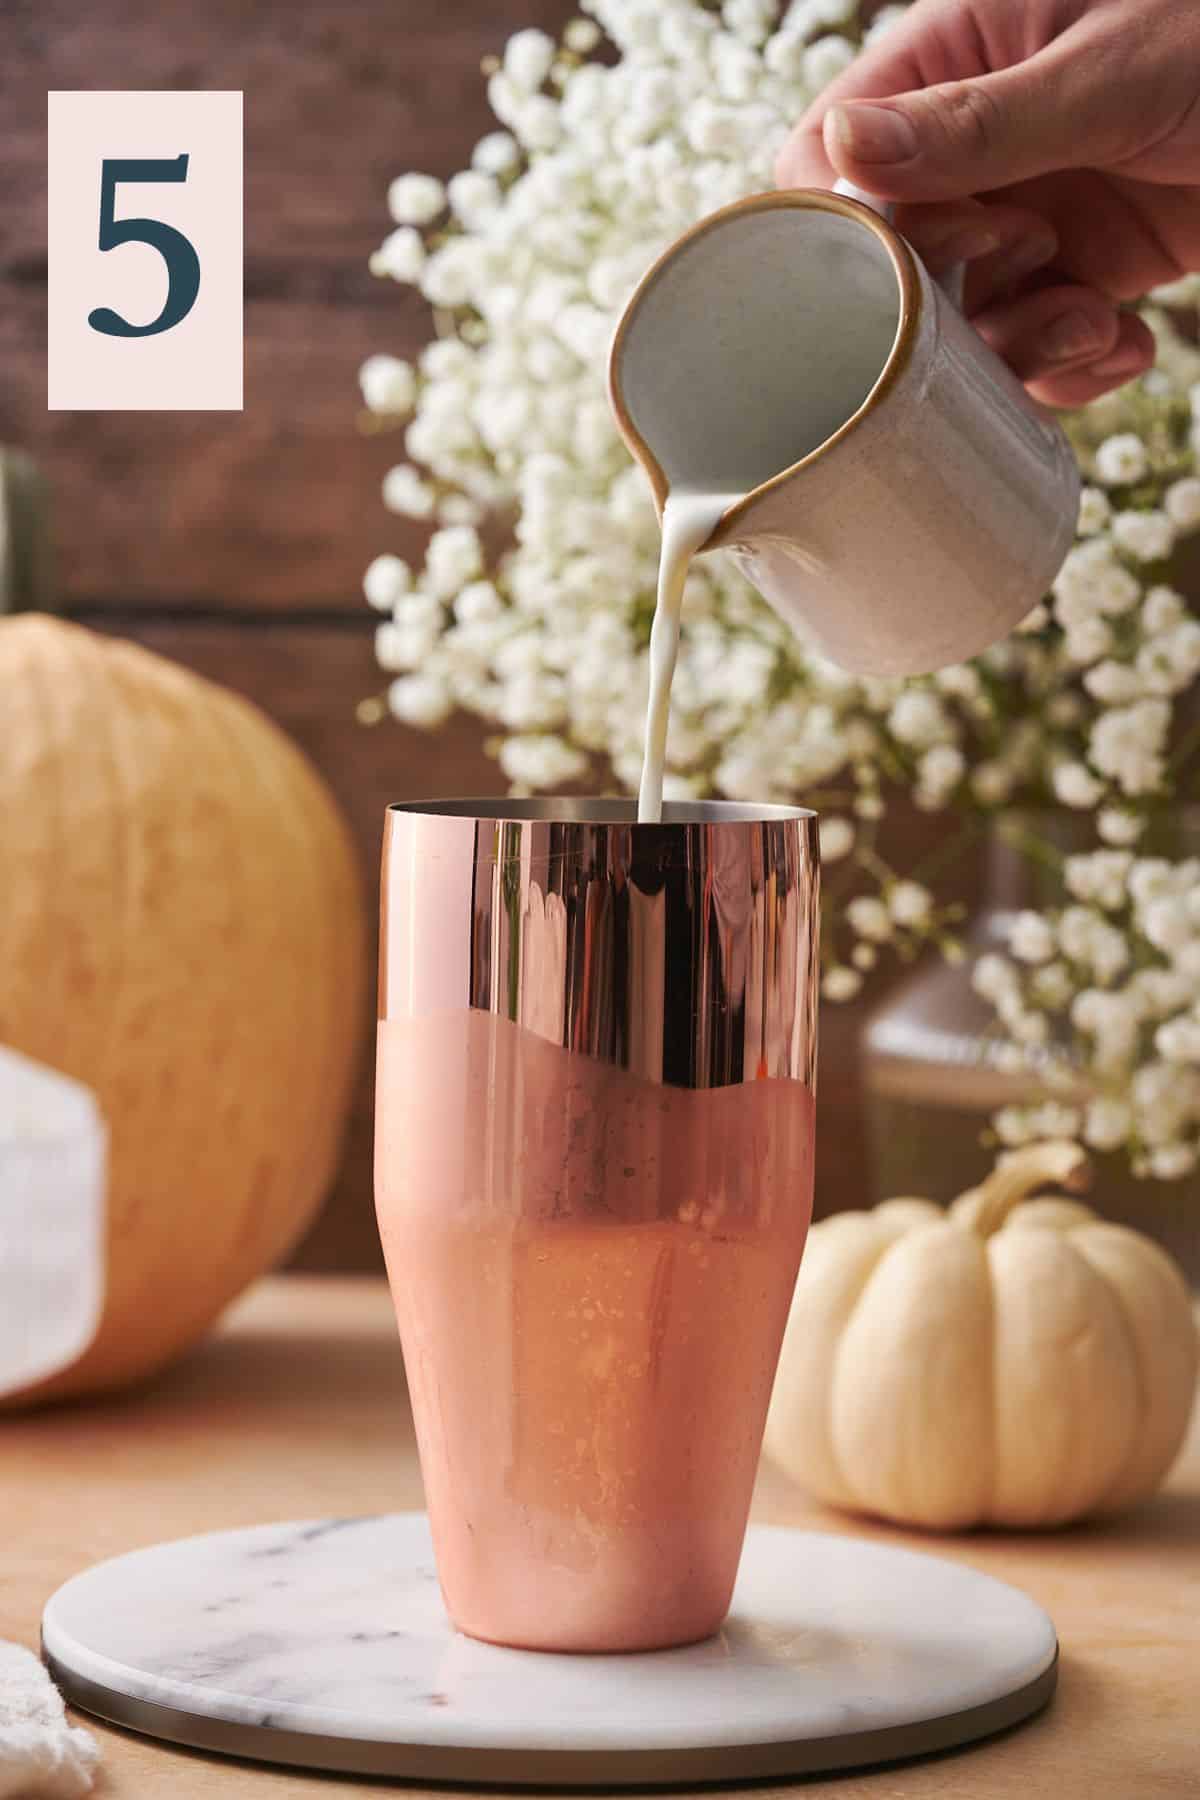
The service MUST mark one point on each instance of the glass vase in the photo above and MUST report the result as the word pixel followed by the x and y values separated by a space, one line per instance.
pixel 933 1065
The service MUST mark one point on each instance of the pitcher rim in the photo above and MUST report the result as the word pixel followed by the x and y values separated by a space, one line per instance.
pixel 898 357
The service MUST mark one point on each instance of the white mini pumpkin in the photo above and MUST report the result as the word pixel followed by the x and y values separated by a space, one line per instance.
pixel 1010 1361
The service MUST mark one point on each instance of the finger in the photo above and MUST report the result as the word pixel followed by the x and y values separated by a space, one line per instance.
pixel 1049 332
pixel 802 163
pixel 1052 111
pixel 1130 357
pixel 1002 244
pixel 1119 236
pixel 954 232
pixel 1003 274
pixel 910 55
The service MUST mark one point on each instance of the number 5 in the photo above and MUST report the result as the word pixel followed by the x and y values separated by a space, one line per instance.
pixel 183 265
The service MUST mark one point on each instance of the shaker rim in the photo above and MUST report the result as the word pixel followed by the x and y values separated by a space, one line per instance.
pixel 602 810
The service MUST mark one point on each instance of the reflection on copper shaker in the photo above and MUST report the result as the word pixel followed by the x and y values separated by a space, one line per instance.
pixel 596 1067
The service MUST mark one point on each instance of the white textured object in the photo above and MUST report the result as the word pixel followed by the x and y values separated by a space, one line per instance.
pixel 326 1645
pixel 53 1155
pixel 41 1756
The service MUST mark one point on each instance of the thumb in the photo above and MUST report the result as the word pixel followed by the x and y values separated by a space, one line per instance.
pixel 968 137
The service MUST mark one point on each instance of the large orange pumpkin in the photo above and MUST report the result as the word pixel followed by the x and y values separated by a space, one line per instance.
pixel 180 929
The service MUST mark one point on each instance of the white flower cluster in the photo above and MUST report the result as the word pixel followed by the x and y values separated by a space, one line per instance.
pixel 1122 962
pixel 527 257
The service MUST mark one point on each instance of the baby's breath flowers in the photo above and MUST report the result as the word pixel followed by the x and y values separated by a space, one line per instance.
pixel 526 258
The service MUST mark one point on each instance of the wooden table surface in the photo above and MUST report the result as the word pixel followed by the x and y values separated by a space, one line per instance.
pixel 297 1408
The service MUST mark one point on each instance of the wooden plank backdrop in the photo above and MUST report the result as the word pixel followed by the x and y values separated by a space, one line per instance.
pixel 235 542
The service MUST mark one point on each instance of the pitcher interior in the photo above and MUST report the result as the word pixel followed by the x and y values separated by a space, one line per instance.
pixel 756 342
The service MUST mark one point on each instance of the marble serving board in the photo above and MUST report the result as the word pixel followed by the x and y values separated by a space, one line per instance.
pixel 324 1644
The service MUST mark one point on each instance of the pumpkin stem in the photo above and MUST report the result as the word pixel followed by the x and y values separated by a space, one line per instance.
pixel 1060 1163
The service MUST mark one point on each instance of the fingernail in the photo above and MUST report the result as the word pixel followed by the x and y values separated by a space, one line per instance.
pixel 871 134
pixel 1071 336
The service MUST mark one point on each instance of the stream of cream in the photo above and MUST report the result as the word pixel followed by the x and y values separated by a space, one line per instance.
pixel 688 520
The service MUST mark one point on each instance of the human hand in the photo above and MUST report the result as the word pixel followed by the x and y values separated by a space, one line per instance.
pixel 1052 145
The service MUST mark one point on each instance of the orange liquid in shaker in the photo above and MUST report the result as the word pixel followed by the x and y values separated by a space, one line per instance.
pixel 592 1275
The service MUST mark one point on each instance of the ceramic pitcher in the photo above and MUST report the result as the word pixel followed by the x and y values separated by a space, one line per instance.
pixel 894 492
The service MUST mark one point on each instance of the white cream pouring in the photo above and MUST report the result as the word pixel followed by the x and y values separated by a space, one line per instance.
pixel 749 349
pixel 688 520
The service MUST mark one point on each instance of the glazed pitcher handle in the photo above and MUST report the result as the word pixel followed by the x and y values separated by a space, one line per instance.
pixel 951 281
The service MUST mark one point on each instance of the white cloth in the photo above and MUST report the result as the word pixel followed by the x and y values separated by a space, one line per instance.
pixel 53 1155
pixel 42 1757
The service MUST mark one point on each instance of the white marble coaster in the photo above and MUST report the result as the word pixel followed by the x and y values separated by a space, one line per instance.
pixel 325 1645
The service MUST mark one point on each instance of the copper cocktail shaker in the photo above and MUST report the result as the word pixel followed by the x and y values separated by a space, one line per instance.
pixel 594 1167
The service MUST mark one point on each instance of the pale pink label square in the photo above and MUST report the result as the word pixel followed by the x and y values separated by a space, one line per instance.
pixel 170 208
